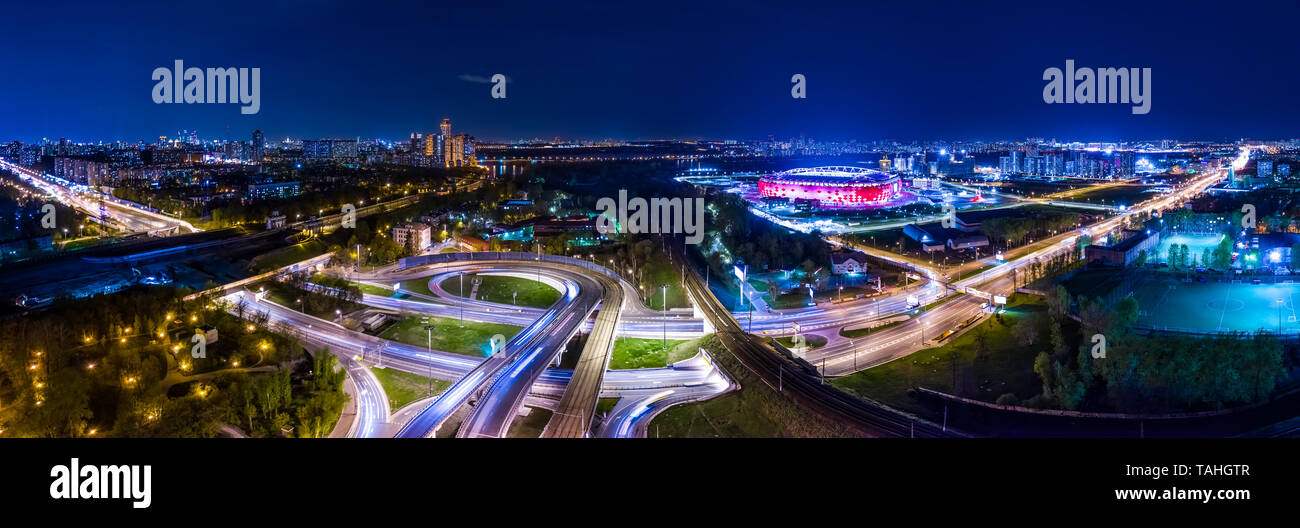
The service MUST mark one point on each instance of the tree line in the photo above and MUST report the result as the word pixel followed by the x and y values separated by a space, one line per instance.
pixel 1144 372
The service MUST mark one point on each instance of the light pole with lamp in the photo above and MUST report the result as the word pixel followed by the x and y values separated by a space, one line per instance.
pixel 665 312
pixel 428 328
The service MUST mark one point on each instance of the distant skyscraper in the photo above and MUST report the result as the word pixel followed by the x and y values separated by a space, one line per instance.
pixel 1017 166
pixel 1265 169
pixel 313 149
pixel 344 150
pixel 1127 163
pixel 448 156
pixel 259 147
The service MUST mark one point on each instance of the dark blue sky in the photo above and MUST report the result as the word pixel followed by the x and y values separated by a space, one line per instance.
pixel 902 70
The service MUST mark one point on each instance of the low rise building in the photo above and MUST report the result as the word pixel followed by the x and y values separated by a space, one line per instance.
pixel 846 262
pixel 414 235
pixel 276 221
pixel 1124 252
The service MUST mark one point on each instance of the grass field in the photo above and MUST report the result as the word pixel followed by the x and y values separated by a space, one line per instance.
pixel 420 285
pixel 634 353
pixel 754 411
pixel 501 289
pixel 373 290
pixel 1196 245
pixel 812 340
pixel 287 255
pixel 1215 306
pixel 954 368
pixel 863 332
pixel 1114 195
pixel 85 242
pixel 403 387
pixel 448 336
pixel 606 404
pixel 284 296
pixel 530 426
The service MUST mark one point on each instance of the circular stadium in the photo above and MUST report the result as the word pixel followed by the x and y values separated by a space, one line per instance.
pixel 832 186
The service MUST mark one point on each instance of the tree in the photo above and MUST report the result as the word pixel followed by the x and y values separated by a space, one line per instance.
pixel 1058 304
pixel 1025 331
pixel 1222 254
pixel 65 408
pixel 1043 367
pixel 1008 399
pixel 981 342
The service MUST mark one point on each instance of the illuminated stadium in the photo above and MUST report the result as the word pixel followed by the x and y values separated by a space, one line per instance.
pixel 832 186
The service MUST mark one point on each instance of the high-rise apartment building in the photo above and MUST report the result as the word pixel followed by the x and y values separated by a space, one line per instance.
pixel 258 147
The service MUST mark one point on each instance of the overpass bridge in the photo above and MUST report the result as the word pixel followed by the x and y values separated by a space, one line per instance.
pixel 489 396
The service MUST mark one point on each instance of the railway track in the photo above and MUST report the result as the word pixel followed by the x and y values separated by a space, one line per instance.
pixel 805 389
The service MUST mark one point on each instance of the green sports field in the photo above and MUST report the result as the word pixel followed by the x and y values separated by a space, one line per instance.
pixel 1218 306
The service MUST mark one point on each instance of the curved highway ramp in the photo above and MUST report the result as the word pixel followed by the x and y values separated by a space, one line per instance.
pixel 573 417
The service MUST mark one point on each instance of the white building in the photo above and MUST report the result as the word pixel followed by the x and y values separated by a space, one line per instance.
pixel 413 235
pixel 275 221
pixel 843 263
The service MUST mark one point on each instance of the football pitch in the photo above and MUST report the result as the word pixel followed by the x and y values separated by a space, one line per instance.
pixel 1218 306
pixel 1196 245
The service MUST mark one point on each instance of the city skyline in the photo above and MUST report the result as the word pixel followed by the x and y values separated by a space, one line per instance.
pixel 633 73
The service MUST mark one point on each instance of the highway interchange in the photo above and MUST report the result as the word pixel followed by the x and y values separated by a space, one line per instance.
pixel 487 393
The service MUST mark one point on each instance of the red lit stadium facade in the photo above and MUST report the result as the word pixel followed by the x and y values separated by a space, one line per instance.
pixel 832 186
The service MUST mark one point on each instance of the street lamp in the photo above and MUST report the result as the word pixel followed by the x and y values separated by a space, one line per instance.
pixel 429 330
pixel 855 348
pixel 1280 303
pixel 665 311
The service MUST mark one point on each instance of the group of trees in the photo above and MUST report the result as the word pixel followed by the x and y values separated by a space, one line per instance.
pixel 21 215
pixel 1181 256
pixel 1039 268
pixel 1014 231
pixel 1144 373
pixel 319 294
pixel 376 246
pixel 99 365
pixel 268 405
pixel 642 260
pixel 760 244
pixel 1177 255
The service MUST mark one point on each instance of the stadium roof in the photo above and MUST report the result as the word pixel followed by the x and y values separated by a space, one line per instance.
pixel 832 174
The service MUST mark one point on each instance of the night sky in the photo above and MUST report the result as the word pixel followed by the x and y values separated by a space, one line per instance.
pixel 900 70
